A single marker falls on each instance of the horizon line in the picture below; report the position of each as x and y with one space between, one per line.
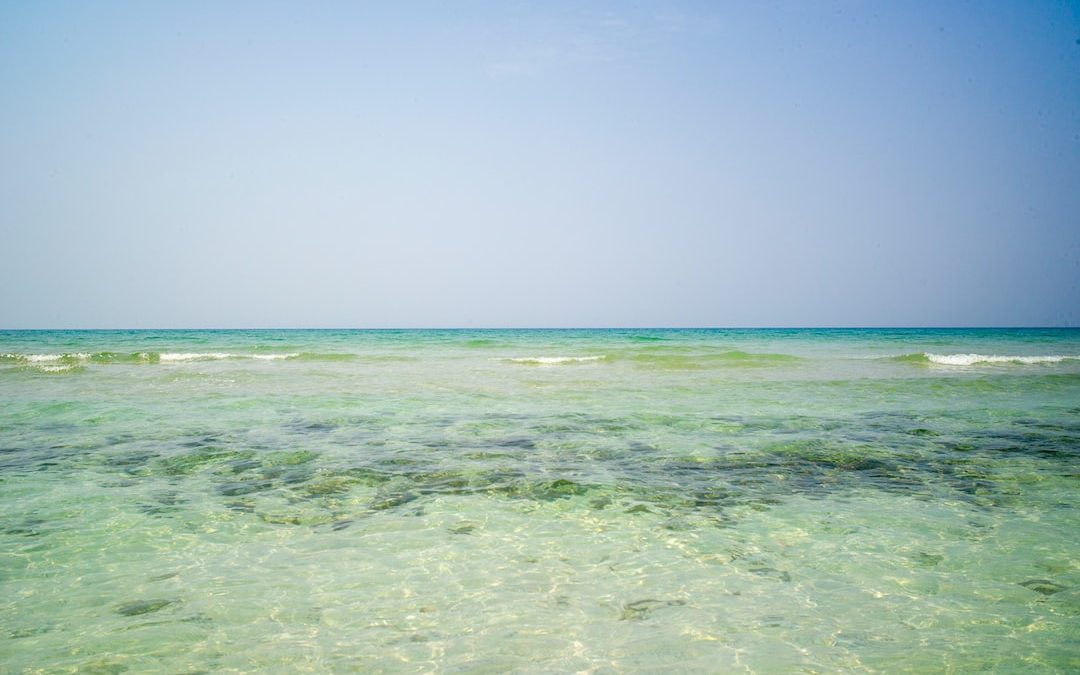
566 328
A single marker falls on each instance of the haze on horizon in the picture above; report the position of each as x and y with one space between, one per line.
487 164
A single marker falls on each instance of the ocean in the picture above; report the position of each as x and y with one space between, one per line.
489 501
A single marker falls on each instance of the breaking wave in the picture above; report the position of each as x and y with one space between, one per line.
978 359
83 358
171 357
553 360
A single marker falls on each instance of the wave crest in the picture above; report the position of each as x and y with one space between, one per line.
553 360
82 358
977 359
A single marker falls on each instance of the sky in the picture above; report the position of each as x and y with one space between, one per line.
504 164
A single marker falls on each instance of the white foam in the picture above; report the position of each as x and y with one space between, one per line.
554 360
54 368
175 357
47 358
41 358
973 359
194 356
169 357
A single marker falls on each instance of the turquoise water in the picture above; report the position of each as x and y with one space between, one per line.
543 501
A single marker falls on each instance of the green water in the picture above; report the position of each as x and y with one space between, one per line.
542 501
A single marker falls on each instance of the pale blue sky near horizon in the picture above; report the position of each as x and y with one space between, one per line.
483 164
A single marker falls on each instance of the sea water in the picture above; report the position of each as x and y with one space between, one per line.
540 501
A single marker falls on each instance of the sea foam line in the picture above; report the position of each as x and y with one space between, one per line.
55 368
44 358
174 357
194 356
147 357
552 360
973 359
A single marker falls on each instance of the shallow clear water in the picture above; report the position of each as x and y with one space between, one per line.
489 501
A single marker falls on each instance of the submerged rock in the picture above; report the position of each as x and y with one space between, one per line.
296 518
16 633
235 489
1044 586
923 559
639 609
103 667
521 443
241 465
600 503
31 527
189 463
132 463
771 573
558 489
330 485
389 501
923 432
287 458
311 427
140 607
166 575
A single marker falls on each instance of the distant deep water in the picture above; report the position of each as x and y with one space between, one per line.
606 501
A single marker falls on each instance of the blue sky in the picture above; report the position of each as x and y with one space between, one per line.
505 164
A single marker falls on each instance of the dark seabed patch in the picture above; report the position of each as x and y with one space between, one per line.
140 607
